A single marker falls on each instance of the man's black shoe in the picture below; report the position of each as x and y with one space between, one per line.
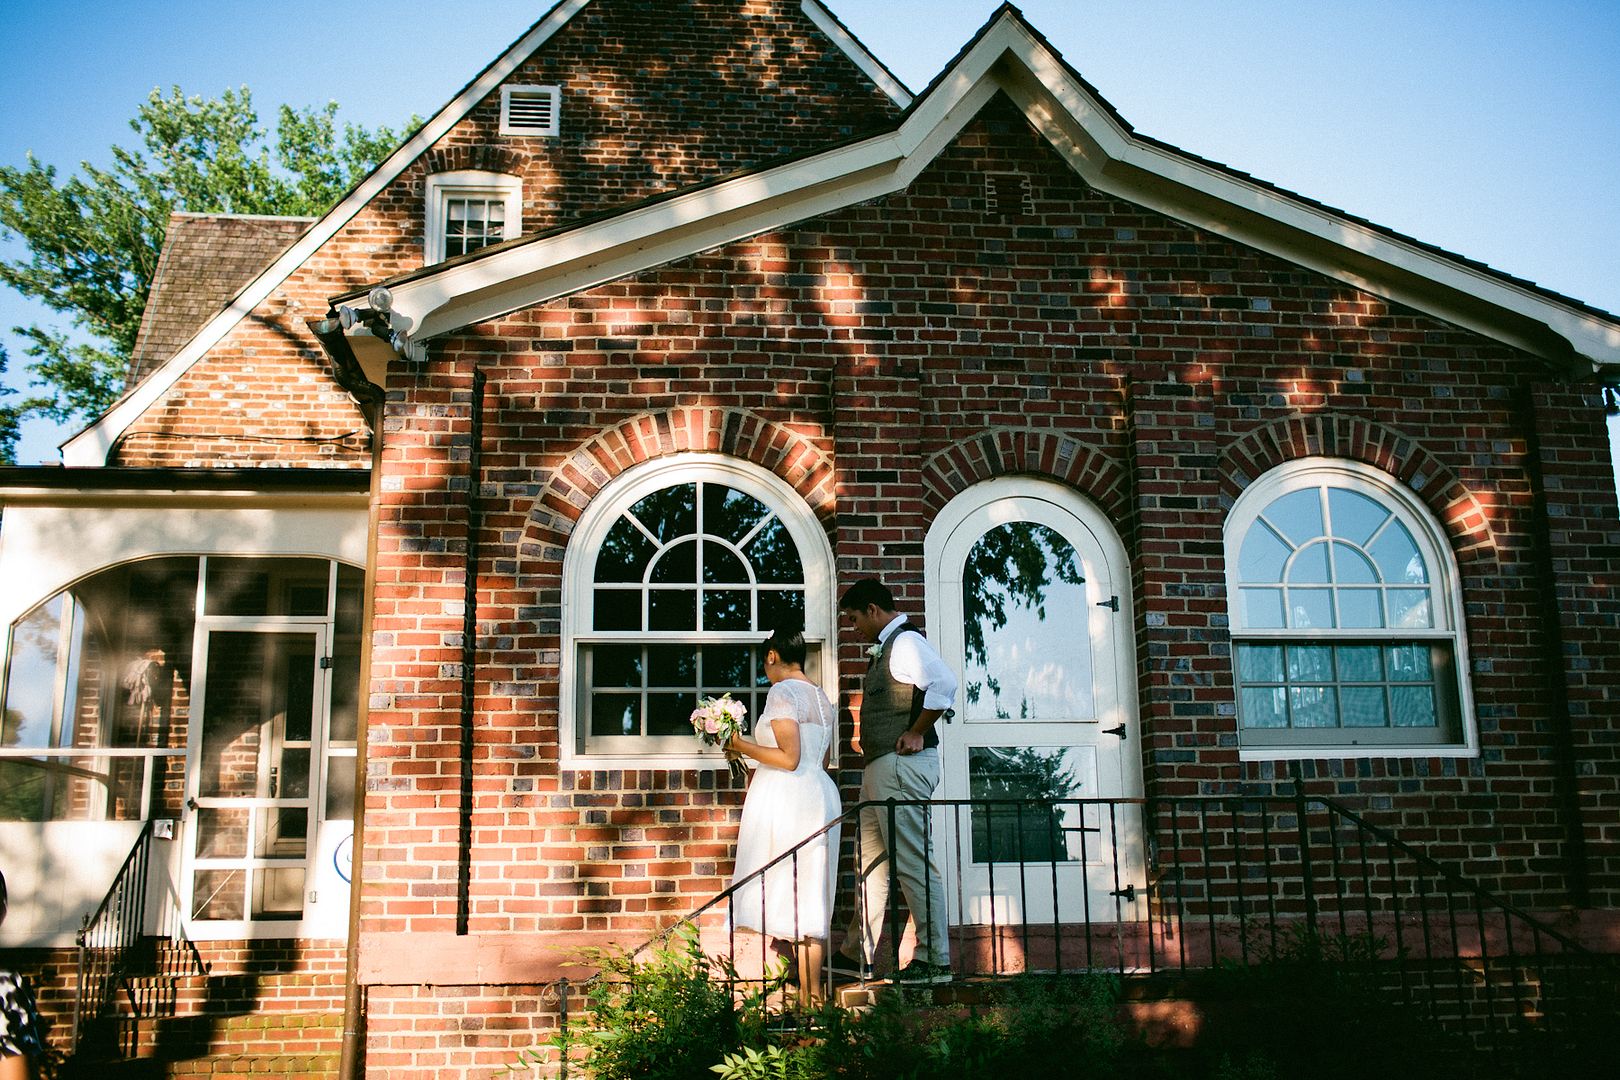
921 972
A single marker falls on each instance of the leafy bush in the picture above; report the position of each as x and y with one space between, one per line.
1313 1006
665 1014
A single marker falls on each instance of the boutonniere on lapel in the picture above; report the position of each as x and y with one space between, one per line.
873 651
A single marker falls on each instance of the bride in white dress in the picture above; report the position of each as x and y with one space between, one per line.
790 797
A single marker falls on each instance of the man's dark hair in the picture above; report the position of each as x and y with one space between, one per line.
867 591
788 641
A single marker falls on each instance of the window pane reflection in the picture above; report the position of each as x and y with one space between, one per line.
1028 649
1014 830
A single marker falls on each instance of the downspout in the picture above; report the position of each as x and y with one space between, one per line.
370 397
469 654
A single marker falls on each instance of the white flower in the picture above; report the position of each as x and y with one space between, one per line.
874 650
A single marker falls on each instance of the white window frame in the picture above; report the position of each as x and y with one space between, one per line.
467 184
551 130
579 564
1445 603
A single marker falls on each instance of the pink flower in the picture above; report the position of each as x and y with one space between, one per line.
711 725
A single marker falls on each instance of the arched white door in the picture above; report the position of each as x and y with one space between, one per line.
1028 598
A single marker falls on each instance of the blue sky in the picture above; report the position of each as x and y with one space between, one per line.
1488 127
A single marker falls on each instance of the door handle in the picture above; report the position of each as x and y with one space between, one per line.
275 782
191 804
1120 731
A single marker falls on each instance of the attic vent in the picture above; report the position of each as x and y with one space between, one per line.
1010 194
530 110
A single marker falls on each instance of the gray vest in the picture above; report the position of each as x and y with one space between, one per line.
888 706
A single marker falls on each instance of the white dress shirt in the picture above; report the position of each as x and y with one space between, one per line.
917 663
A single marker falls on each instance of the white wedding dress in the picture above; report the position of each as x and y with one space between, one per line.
782 808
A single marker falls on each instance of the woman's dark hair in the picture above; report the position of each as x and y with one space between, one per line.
788 641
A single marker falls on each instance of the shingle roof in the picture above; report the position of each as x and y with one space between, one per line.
206 260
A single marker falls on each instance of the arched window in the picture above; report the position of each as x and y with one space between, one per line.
1346 617
675 574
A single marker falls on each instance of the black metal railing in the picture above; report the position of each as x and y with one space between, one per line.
109 938
114 943
1241 881
1179 885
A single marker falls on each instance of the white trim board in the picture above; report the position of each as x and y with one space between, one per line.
1008 57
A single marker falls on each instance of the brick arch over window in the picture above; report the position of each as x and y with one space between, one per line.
1027 452
483 157
733 432
1465 519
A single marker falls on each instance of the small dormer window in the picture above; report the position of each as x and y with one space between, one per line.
470 209
530 110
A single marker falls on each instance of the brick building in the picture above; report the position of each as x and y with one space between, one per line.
691 313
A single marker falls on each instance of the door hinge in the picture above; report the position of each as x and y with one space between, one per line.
1120 731
1128 893
326 663
1112 604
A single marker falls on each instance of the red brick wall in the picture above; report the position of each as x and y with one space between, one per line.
428 1032
920 343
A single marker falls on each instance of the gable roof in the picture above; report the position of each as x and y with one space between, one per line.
91 446
1006 56
206 259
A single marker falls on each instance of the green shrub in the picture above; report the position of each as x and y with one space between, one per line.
664 1014
1314 1006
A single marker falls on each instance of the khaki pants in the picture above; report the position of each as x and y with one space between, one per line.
913 846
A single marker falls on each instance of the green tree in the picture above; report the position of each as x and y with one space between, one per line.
11 416
92 239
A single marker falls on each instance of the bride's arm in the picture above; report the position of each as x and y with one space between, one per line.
784 755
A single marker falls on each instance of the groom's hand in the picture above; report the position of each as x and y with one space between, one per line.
909 742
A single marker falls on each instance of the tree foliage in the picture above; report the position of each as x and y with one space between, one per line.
11 415
93 238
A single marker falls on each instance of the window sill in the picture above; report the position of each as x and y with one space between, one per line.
669 762
1336 750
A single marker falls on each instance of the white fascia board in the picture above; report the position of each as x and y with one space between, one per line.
203 498
652 236
846 42
91 446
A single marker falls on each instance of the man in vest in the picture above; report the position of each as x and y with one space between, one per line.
906 690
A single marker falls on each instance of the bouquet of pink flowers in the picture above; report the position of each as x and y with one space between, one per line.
716 721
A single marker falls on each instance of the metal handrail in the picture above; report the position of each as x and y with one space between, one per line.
1246 880
109 938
